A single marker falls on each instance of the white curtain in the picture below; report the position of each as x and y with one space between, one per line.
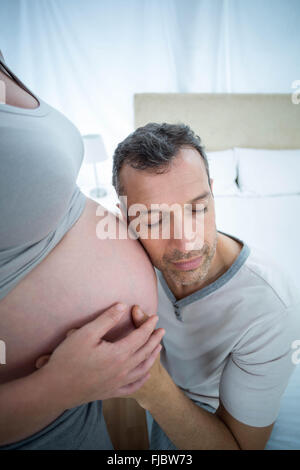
88 57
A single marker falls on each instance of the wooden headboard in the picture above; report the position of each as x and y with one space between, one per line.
223 121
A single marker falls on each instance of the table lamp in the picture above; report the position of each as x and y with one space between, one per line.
94 152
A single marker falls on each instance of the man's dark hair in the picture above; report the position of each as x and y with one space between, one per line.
152 148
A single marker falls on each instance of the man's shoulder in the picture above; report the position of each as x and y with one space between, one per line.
260 293
271 280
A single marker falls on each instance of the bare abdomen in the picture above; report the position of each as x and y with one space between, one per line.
79 279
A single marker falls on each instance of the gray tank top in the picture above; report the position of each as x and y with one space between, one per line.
41 152
40 155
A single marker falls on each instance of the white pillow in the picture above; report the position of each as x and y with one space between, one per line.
223 170
268 172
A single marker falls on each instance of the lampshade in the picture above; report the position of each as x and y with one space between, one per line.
94 149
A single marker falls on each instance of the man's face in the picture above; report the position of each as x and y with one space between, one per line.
183 182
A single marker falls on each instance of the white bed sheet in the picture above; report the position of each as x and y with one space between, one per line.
272 224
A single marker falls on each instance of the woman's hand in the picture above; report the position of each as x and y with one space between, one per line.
87 368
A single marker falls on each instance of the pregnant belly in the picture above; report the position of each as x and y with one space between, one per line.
81 277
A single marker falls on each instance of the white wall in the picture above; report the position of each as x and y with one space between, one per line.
88 57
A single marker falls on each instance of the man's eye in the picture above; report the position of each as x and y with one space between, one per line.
152 219
155 223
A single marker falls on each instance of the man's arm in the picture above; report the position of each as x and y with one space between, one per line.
248 437
191 427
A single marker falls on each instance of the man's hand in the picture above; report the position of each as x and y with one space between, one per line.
157 372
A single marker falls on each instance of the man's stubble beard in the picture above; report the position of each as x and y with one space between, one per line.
185 278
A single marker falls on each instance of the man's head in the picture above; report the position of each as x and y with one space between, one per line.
166 164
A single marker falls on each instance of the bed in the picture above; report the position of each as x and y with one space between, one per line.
254 140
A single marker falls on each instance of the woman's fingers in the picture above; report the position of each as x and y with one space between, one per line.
133 387
145 351
42 360
145 366
137 338
98 327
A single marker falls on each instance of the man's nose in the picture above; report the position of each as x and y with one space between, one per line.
186 233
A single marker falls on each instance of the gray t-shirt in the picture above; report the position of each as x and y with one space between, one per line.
232 340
